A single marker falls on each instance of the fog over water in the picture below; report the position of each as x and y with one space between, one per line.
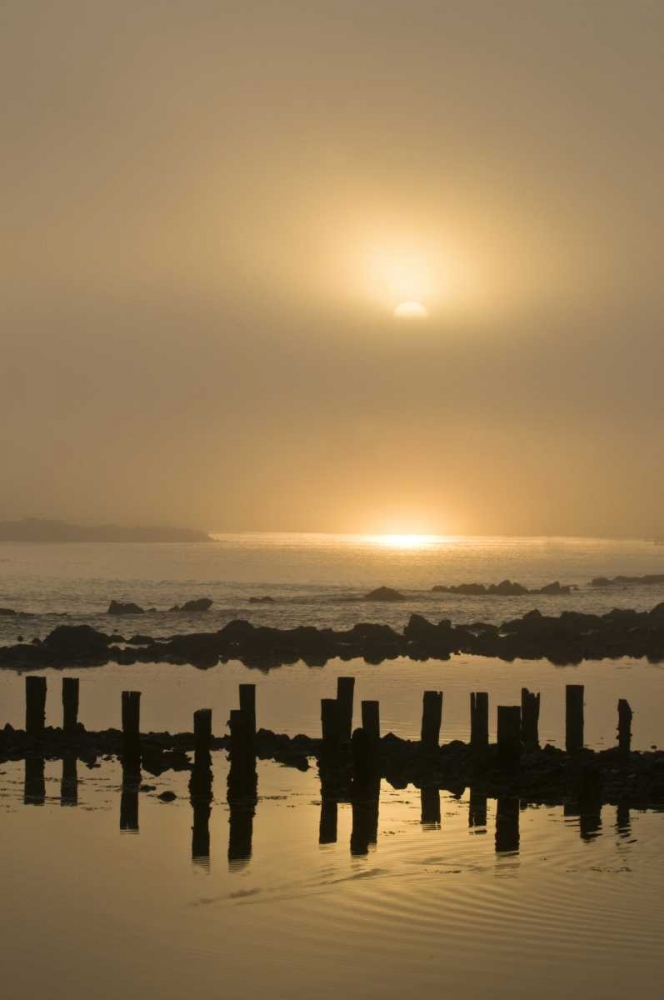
211 210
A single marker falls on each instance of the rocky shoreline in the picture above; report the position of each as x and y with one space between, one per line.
568 638
542 775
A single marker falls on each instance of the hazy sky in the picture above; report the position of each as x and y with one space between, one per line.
209 211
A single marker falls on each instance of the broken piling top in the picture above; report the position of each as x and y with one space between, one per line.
530 710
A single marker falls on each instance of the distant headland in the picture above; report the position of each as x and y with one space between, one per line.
33 529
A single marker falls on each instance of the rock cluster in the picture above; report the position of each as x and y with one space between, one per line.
506 588
569 637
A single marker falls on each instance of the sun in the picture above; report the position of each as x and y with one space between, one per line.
411 310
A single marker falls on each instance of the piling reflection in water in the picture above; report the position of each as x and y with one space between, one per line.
507 825
69 781
34 787
477 810
430 808
623 821
329 810
131 780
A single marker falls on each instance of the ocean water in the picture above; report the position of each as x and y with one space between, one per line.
313 579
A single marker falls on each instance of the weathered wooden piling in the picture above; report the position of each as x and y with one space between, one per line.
202 736
589 792
131 729
479 719
69 704
430 806
248 706
432 717
35 704
573 717
242 747
509 733
624 726
507 825
530 710
345 692
371 719
366 776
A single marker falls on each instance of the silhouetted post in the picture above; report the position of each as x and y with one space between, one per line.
202 737
430 806
70 704
479 719
243 760
432 717
131 729
371 719
624 726
507 825
345 690
248 706
35 704
477 809
573 717
509 733
34 787
530 710
69 781
327 833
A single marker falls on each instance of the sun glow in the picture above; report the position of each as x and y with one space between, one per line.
411 310
403 541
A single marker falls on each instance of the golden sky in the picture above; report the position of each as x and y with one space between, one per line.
212 209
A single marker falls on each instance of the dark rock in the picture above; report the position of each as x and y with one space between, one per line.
384 594
7 611
555 589
601 581
76 642
508 589
262 600
167 796
199 604
140 640
125 608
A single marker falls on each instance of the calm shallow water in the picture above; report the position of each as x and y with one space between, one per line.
314 579
89 910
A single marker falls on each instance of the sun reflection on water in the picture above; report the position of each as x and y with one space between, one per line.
406 541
